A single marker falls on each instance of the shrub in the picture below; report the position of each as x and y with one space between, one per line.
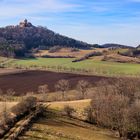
54 49
69 110
88 112
24 106
88 56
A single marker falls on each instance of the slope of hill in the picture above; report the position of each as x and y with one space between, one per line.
55 126
111 45
20 39
63 128
17 41
138 47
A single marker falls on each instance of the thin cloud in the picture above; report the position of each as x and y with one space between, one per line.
97 21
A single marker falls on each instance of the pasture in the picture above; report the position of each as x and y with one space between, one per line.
90 66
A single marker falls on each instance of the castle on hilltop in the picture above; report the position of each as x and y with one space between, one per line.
25 23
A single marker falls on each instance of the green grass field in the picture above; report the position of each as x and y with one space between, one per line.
88 66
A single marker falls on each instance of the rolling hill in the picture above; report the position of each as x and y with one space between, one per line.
20 39
25 38
112 45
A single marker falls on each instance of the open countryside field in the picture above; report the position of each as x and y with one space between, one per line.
78 105
90 66
8 105
63 52
59 127
63 128
55 126
69 52
30 80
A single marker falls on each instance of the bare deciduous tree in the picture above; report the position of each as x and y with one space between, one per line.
63 86
10 92
118 107
128 87
69 110
1 92
111 111
43 89
134 116
82 87
5 112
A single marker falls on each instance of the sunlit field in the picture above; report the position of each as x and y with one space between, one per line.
90 66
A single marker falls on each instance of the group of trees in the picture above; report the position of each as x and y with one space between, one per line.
4 95
11 48
58 48
133 52
63 86
117 107
16 41
24 106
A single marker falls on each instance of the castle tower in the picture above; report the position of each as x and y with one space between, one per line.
25 23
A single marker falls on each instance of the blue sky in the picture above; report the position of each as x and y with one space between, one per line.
93 21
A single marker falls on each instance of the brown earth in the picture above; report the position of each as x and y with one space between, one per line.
30 80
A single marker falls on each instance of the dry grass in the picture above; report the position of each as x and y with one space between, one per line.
78 105
57 127
123 59
67 52
5 71
62 128
8 105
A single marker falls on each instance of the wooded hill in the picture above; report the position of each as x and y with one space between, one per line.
17 40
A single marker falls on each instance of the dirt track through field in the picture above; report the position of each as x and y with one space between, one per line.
30 80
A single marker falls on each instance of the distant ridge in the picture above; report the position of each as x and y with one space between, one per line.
112 45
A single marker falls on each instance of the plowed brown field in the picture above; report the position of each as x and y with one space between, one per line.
30 80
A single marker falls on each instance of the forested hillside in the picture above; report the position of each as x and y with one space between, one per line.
20 39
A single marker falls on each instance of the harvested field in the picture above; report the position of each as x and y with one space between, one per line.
30 80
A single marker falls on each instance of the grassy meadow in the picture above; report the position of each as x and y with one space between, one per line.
90 66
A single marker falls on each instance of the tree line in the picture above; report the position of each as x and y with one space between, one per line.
117 107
